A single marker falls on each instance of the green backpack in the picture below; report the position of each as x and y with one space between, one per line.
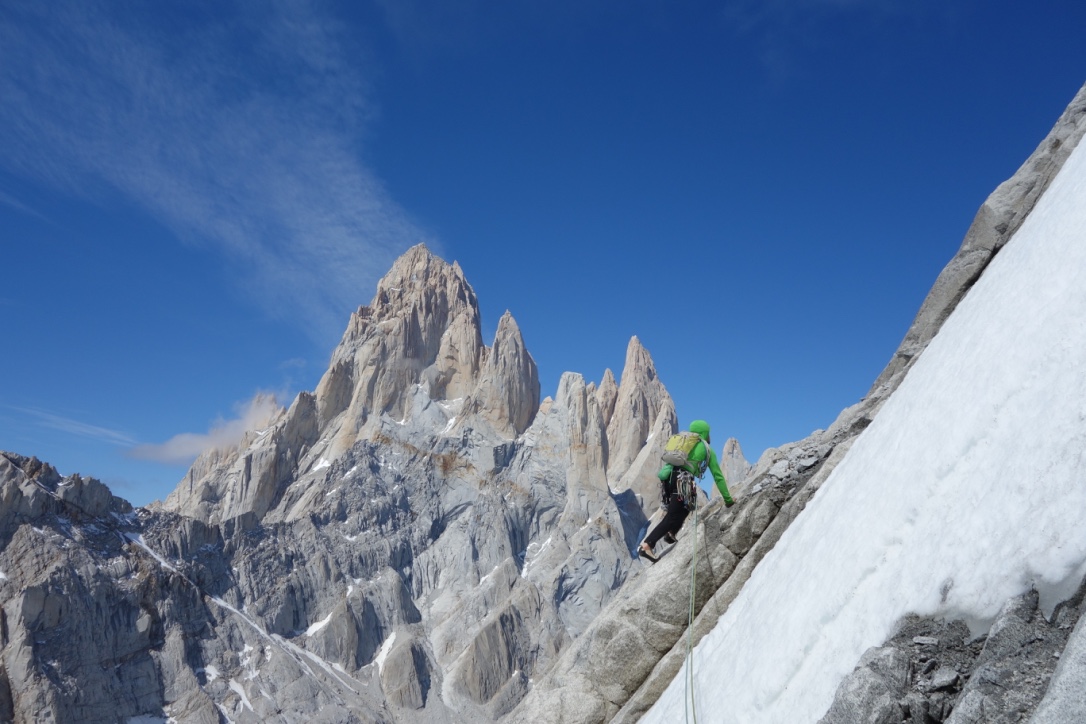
678 449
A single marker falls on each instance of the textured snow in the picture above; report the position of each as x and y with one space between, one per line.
386 648
533 551
240 691
967 489
245 656
138 540
296 652
486 578
318 625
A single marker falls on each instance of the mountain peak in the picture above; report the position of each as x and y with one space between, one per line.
418 276
508 391
639 400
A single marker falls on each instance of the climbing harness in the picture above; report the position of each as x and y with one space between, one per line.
686 487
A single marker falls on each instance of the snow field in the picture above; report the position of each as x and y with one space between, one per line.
386 649
967 489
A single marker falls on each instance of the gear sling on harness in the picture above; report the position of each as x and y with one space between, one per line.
677 453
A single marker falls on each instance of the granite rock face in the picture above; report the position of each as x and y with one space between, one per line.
622 663
734 464
639 400
937 671
506 395
641 420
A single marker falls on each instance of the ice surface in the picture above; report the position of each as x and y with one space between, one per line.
138 540
533 551
968 488
318 625
240 691
295 651
386 648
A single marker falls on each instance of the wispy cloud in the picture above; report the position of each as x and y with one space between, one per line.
184 448
78 428
14 203
236 125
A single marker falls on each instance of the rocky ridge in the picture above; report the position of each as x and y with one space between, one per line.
936 671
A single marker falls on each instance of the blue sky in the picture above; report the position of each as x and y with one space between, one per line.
195 196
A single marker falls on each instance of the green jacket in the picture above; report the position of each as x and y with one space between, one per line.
698 461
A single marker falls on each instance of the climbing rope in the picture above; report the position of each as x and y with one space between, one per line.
688 700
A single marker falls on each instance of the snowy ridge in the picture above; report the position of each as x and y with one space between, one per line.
965 490
319 624
386 649
296 652
138 540
240 691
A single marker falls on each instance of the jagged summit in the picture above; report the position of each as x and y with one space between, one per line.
641 397
422 327
507 392
414 357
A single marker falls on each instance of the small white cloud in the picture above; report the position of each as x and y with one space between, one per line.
182 449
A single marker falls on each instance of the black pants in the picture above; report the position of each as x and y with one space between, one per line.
673 518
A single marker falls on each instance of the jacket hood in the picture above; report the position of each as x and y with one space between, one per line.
701 427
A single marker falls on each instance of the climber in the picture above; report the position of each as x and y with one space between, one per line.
701 458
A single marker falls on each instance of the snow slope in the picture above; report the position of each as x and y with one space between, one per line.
968 488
